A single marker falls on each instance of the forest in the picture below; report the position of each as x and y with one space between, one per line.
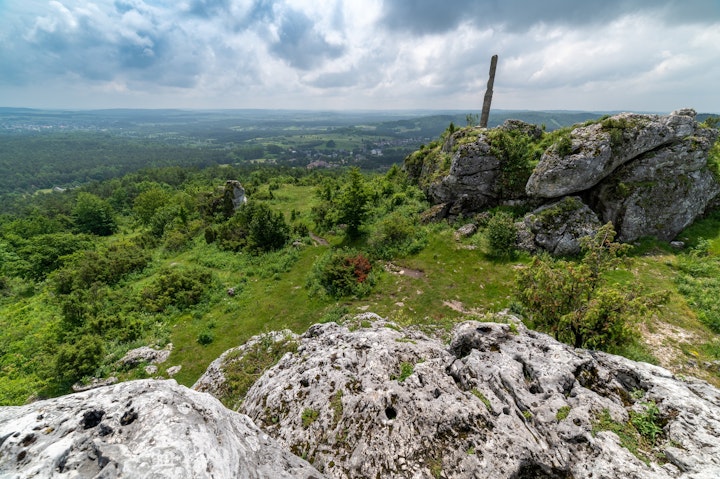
142 245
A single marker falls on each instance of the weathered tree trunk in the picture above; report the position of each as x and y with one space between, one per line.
488 93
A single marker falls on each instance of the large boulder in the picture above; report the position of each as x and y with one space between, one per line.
370 399
661 192
596 150
472 171
139 429
558 227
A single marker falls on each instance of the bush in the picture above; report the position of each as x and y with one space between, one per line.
255 227
501 235
574 302
397 234
179 287
343 272
79 359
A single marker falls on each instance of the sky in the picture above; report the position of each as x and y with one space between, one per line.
596 55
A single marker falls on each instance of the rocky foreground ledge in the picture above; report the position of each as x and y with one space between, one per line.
371 399
139 429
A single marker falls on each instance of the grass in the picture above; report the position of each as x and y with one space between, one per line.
454 282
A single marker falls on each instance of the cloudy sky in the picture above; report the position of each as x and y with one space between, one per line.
640 55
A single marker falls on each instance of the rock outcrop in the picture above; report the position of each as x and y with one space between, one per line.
558 227
661 192
375 400
139 429
598 149
647 174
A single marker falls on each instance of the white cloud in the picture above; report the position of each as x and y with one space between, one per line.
352 54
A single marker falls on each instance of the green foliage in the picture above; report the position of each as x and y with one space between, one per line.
176 286
647 422
406 370
564 146
308 417
518 154
79 358
575 302
482 398
149 202
501 235
699 280
255 228
42 254
395 235
243 368
343 272
562 413
205 338
352 203
639 434
93 215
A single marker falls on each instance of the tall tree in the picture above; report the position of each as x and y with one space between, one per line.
93 215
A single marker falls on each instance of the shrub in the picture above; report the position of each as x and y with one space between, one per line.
501 235
180 287
255 227
93 215
343 272
79 359
574 302
396 234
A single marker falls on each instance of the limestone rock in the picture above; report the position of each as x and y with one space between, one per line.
376 400
466 231
558 227
145 354
136 429
474 180
661 192
213 379
234 194
598 149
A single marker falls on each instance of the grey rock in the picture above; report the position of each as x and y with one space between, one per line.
235 193
661 192
466 231
173 370
474 180
598 149
558 227
213 379
382 401
146 354
94 383
137 429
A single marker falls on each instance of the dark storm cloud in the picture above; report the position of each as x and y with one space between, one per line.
300 45
430 16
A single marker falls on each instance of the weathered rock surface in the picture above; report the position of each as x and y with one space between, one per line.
475 179
234 193
558 227
139 429
146 354
598 149
499 402
661 192
647 174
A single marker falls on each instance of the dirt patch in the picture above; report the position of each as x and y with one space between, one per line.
664 342
319 241
460 308
395 269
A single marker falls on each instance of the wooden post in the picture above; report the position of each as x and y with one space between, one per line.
488 93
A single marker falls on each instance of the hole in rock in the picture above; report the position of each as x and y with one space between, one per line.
128 418
92 418
390 412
